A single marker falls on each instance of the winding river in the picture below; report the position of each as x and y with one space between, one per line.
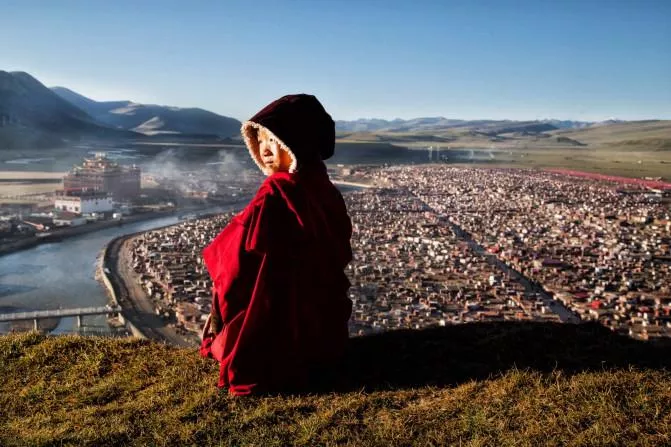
62 274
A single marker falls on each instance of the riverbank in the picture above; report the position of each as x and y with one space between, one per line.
137 309
59 234
126 290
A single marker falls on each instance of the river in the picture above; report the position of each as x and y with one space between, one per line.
62 274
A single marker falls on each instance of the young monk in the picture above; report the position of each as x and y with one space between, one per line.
280 307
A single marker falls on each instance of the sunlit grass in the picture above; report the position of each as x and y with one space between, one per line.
74 390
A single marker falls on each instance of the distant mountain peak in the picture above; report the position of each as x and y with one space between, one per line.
152 119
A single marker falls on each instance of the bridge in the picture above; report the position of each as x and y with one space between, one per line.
59 313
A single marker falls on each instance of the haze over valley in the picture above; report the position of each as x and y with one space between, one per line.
41 126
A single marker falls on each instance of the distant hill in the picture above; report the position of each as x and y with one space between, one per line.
25 102
440 123
608 122
568 124
32 115
152 119
399 125
502 127
374 153
92 107
615 132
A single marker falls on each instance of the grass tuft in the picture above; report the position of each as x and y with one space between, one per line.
477 384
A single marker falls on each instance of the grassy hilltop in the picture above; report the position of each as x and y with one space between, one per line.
475 384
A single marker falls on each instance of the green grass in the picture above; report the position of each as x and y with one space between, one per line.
477 384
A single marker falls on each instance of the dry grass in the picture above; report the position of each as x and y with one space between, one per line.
626 164
634 130
480 384
622 140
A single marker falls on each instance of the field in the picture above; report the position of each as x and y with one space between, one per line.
622 135
632 149
474 384
27 186
626 164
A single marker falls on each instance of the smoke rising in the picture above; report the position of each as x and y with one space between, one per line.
190 170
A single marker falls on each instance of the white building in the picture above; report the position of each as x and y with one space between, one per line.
85 203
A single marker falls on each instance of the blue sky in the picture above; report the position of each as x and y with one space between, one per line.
568 59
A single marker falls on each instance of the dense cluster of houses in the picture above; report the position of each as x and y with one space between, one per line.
170 269
410 270
600 248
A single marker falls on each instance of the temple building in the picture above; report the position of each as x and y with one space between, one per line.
103 175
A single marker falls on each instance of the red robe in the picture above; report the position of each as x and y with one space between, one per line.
278 273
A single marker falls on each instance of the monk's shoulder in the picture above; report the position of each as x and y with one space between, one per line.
270 195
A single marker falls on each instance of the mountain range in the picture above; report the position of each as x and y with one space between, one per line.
32 115
150 119
440 123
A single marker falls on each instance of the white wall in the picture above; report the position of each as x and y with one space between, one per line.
85 206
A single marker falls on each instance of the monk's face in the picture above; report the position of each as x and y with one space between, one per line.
272 155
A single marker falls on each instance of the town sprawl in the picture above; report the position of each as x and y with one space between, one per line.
438 245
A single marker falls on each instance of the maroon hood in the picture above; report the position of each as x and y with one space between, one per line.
300 124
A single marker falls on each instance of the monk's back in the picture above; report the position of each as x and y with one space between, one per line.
320 253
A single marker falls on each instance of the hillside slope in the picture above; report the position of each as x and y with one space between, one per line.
153 119
31 115
92 107
618 132
474 384
24 101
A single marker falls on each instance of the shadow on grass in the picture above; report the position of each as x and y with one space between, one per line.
456 354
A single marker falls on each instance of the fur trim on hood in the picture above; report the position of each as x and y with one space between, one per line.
299 124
